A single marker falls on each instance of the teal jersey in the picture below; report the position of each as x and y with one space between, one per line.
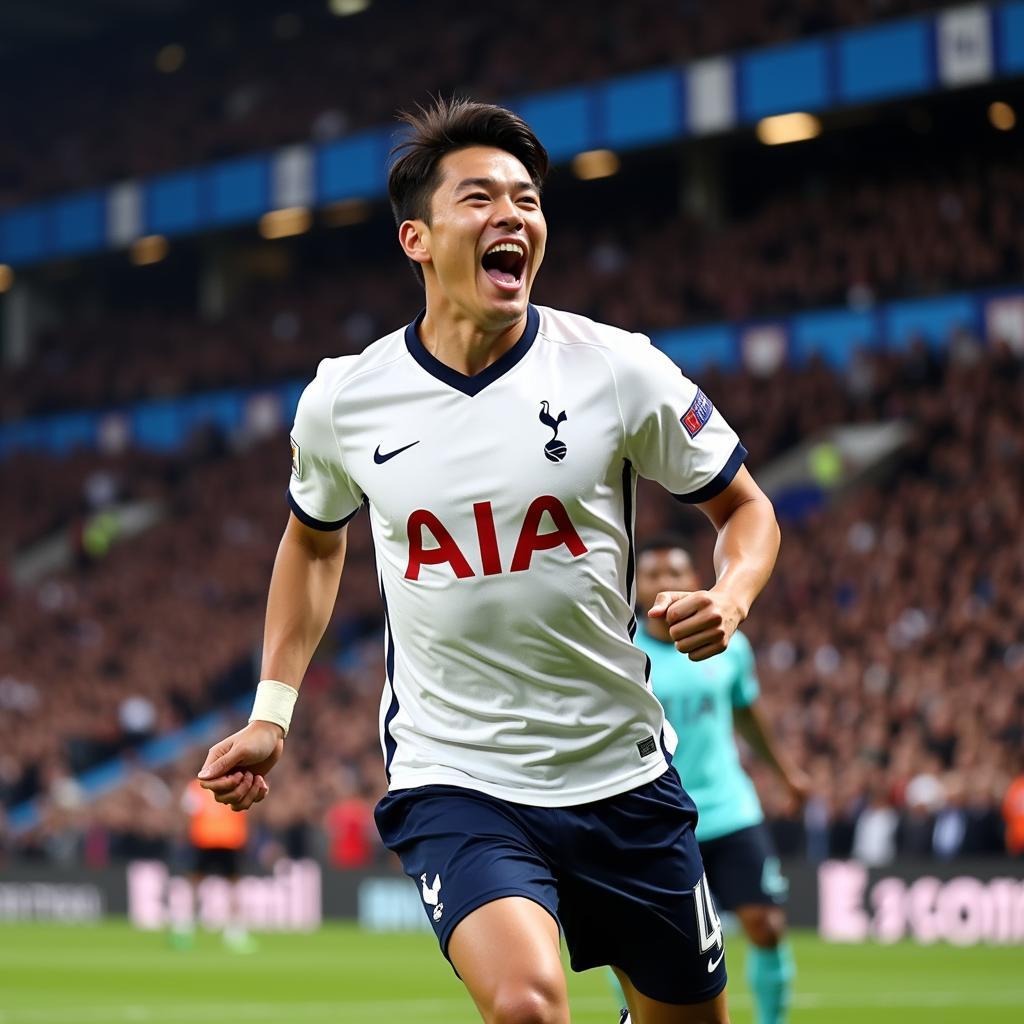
698 697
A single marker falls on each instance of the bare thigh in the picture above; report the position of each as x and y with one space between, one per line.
508 957
644 1010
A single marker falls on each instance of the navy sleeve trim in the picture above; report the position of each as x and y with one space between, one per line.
720 482
317 524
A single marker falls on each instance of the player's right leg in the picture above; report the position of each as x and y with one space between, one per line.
489 895
507 954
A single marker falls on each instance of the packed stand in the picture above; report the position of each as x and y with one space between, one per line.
888 642
273 76
853 242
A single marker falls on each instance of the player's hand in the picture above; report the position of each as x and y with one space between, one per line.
701 622
235 768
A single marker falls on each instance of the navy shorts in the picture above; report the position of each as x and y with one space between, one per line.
622 876
743 869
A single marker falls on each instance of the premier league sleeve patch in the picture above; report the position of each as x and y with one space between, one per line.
696 416
296 459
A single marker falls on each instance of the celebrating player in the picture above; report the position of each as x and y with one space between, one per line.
496 446
704 703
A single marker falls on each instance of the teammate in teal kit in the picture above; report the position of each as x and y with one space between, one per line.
706 701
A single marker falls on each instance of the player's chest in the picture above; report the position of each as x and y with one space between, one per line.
451 454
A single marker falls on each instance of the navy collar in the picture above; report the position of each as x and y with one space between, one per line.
475 384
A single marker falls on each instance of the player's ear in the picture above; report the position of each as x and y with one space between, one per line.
414 237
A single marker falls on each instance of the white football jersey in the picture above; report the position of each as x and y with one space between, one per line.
502 514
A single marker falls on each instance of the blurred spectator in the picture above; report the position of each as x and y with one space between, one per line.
889 607
1013 815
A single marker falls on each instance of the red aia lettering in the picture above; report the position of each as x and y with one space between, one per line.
530 539
446 551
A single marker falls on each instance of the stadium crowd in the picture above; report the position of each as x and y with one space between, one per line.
888 642
850 242
228 85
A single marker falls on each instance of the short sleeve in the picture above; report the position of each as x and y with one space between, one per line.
745 687
320 493
674 434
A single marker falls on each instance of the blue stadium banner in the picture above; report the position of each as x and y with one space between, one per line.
892 60
354 168
932 320
173 203
78 223
833 334
240 190
563 120
24 235
1010 36
643 109
785 78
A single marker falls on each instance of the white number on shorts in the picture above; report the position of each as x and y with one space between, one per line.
709 927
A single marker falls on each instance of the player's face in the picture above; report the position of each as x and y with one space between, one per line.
663 569
486 237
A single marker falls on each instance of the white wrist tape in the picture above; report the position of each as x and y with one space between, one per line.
274 703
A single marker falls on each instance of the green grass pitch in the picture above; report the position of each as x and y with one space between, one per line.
110 974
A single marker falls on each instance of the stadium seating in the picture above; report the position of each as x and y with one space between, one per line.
867 637
240 88
853 241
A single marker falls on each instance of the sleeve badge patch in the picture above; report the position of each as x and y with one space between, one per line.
296 459
697 415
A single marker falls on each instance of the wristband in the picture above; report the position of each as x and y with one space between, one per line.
274 703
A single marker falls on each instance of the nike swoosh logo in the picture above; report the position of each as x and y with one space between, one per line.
381 459
712 964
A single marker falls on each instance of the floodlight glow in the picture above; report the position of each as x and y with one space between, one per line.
1002 116
783 128
595 163
147 250
293 220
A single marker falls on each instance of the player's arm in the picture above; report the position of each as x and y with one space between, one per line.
703 622
750 723
303 589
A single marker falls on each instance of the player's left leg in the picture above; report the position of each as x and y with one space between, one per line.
632 893
644 1010
770 967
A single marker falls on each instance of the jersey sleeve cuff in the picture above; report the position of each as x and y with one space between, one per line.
312 522
721 480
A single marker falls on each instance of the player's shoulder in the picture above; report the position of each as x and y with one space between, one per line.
335 372
631 358
562 327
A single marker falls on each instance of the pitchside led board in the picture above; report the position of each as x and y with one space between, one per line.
963 903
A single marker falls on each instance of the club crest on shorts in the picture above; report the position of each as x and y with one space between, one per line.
432 895
698 414
296 459
554 450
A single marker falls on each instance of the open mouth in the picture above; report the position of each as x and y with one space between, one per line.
505 264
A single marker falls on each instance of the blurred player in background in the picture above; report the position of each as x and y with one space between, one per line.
496 446
705 702
217 838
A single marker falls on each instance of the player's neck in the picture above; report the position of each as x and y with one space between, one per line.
451 337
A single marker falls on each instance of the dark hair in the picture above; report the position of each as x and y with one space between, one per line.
442 128
664 541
